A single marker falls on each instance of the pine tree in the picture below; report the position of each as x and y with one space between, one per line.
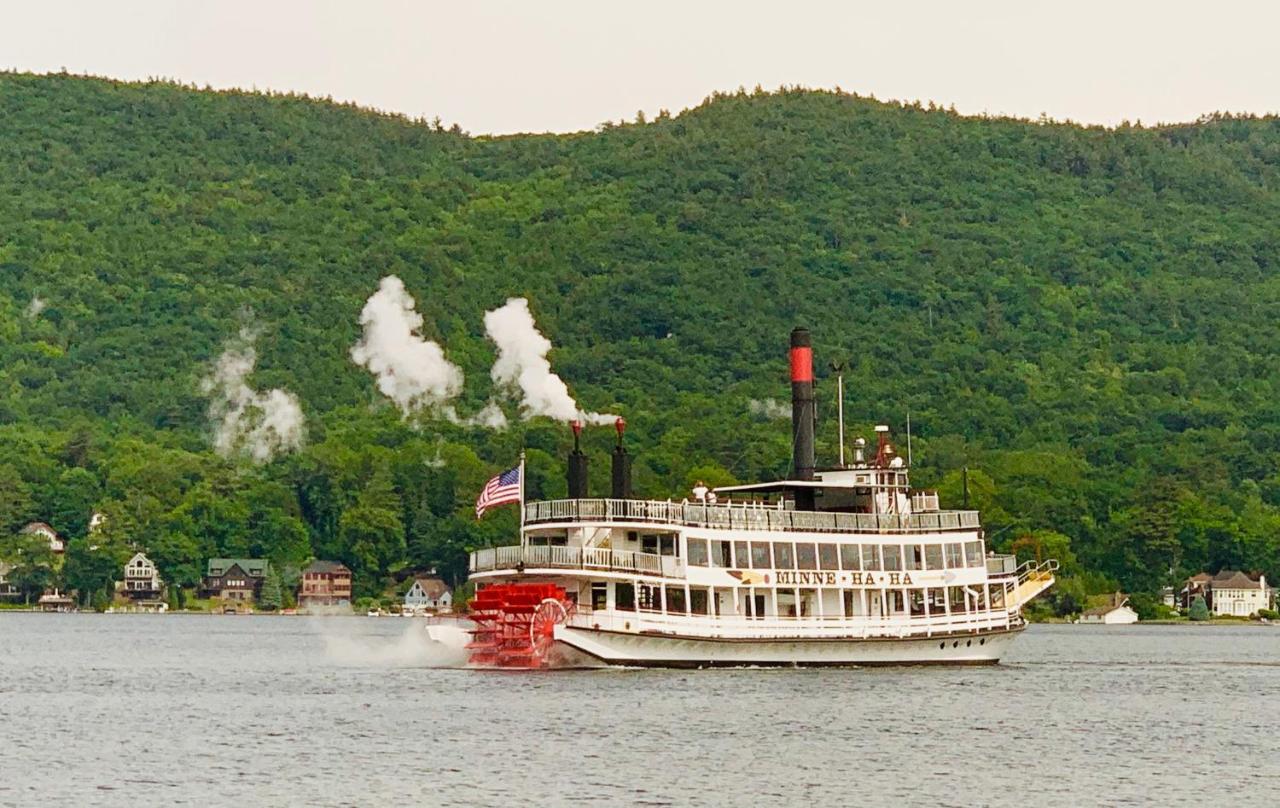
272 591
1199 609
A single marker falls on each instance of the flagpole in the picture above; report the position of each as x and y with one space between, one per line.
522 496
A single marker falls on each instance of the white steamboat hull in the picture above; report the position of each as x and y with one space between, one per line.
581 647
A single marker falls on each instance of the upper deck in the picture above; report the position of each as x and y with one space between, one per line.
742 516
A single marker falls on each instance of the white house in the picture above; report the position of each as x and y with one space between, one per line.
141 579
1237 594
1116 613
56 544
429 593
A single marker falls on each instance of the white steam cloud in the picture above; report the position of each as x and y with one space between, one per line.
36 306
411 371
522 365
768 408
247 422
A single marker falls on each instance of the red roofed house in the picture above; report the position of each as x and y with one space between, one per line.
325 583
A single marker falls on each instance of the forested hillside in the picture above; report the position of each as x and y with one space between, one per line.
1086 318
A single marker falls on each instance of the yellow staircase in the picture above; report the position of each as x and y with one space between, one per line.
1033 578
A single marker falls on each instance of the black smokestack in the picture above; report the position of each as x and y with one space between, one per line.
802 413
621 465
577 476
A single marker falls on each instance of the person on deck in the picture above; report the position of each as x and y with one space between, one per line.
700 491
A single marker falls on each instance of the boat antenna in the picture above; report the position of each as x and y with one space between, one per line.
838 369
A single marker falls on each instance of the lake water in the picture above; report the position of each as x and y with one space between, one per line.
145 710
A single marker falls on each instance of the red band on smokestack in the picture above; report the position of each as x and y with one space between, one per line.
801 364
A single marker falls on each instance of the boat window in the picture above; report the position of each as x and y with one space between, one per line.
933 556
675 600
721 554
786 603
956 595
917 602
847 595
808 602
784 555
599 595
624 597
849 557
828 557
871 556
668 546
755 605
649 543
697 601
955 559
698 552
559 540
650 597
892 556
897 601
973 554
741 558
760 555
806 558
913 555
937 600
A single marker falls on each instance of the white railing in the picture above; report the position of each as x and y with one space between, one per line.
737 626
745 516
518 557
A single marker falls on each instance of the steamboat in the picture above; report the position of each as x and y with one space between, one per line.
844 566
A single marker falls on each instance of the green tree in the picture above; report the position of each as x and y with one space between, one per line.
272 595
1199 610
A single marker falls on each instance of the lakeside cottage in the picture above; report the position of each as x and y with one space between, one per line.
1117 612
325 583
235 579
56 543
429 593
1229 593
7 590
142 579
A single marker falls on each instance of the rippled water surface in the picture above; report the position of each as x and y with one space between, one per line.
195 710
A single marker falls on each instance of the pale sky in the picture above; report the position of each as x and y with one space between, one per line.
500 67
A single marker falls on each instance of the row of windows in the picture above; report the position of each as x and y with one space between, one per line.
820 556
792 602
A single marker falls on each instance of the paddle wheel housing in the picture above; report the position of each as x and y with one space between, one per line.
515 624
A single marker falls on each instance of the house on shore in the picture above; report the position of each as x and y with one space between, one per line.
142 579
1116 612
1237 594
1229 593
56 544
428 593
325 583
235 579
54 600
7 590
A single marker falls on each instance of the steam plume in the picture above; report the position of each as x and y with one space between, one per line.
36 306
258 425
768 408
522 365
411 371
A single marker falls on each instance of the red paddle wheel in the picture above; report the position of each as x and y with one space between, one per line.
515 624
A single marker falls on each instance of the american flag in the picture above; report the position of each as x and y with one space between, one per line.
500 490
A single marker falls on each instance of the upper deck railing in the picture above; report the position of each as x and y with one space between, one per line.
743 516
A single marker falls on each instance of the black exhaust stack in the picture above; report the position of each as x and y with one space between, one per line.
577 476
621 465
803 414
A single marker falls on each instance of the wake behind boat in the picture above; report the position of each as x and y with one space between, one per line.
839 567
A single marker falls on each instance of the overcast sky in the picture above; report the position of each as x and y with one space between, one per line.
501 67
